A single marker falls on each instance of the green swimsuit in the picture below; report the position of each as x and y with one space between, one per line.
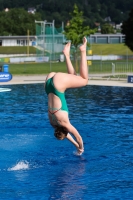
49 88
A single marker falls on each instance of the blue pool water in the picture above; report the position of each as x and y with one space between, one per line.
36 166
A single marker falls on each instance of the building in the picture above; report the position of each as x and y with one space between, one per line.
31 10
17 40
32 41
106 38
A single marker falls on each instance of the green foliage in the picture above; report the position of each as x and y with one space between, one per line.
17 22
107 29
127 29
94 11
75 30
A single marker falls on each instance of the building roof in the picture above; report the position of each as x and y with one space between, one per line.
17 37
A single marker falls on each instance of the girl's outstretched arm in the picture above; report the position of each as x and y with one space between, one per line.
71 139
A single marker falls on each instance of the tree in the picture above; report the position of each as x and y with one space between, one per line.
127 30
107 29
75 30
17 22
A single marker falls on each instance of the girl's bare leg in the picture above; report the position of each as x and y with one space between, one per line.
83 61
70 80
66 52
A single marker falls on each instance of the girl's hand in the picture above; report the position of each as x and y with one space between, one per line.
80 151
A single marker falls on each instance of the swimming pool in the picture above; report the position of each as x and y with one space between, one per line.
34 165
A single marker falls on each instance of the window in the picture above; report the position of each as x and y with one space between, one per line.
18 42
0 42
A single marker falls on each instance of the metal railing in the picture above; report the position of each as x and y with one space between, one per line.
110 69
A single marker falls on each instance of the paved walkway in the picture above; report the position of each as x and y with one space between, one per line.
29 79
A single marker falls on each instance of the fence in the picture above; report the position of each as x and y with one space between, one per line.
110 69
49 40
97 68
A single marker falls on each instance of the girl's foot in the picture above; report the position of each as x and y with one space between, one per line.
83 46
66 50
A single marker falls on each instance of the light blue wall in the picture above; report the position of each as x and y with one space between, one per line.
106 38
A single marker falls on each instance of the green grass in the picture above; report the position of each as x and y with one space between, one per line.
45 68
106 67
36 68
17 50
110 49
98 49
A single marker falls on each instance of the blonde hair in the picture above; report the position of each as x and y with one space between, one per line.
60 133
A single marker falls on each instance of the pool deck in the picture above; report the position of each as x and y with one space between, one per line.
30 79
